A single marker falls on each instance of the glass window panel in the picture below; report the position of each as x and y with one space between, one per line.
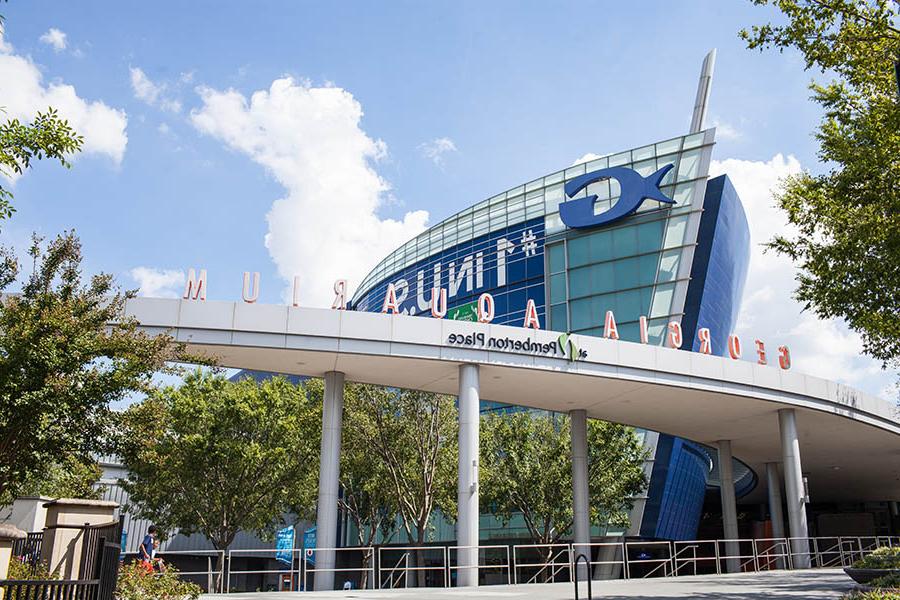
692 141
559 318
579 251
533 185
675 231
516 203
684 194
668 146
629 332
668 265
557 288
557 258
554 178
601 206
602 278
553 195
582 318
656 330
596 165
646 299
628 305
689 165
515 216
534 210
670 175
647 269
580 282
623 158
553 224
662 300
601 246
650 235
615 189
642 153
624 241
515 191
600 188
645 167
575 171
626 273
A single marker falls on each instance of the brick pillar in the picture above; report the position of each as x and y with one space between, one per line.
8 535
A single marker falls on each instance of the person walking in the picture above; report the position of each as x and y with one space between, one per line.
147 550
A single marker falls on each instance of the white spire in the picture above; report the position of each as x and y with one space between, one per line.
703 88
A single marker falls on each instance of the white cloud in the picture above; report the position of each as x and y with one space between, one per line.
54 38
309 138
587 158
152 93
158 283
435 149
726 131
24 93
824 348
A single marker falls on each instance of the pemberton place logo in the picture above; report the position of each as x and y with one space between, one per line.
563 347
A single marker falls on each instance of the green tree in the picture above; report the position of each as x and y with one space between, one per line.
367 492
66 352
847 219
414 435
216 457
526 469
72 477
47 136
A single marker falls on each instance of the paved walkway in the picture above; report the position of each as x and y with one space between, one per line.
819 583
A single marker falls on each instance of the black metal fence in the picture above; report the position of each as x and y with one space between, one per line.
97 574
28 551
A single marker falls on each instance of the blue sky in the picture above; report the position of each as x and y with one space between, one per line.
427 107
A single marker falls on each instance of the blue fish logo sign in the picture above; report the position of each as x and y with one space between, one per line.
579 213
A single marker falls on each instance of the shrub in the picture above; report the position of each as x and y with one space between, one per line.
874 595
21 570
136 584
883 558
891 581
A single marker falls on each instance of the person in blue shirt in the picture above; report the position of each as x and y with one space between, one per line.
145 551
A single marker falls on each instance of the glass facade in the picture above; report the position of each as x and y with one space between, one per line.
684 261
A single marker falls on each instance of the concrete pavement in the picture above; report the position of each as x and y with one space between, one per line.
811 584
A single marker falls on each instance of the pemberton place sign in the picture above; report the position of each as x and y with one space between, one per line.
565 346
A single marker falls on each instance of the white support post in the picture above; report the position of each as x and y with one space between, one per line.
729 506
580 492
329 475
773 483
467 490
794 491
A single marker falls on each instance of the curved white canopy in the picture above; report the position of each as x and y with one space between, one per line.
849 441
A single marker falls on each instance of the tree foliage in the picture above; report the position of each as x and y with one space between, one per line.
368 493
413 435
216 457
47 136
526 468
62 361
71 477
847 219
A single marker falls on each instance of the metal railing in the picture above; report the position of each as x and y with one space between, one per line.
412 556
389 567
483 565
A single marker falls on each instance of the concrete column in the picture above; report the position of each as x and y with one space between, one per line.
580 493
8 535
793 487
467 490
61 546
729 506
773 483
329 474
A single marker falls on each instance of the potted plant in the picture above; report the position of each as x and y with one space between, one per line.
883 561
